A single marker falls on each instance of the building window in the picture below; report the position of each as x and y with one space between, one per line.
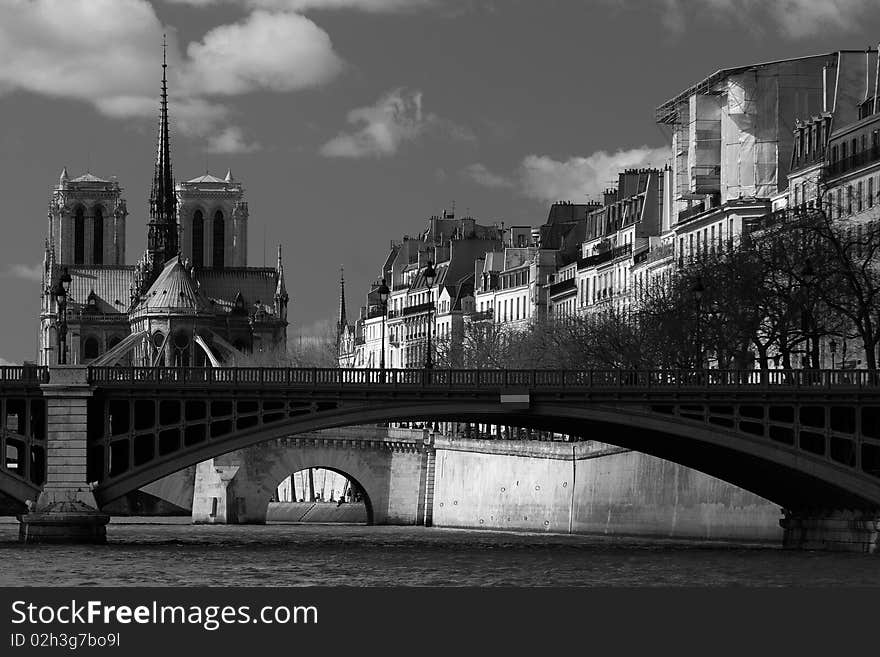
91 348
849 199
98 238
860 191
79 237
871 192
219 240
198 239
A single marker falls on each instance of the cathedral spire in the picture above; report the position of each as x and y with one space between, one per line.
341 321
162 237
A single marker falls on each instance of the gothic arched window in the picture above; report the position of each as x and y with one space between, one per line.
198 239
219 240
98 238
79 237
91 348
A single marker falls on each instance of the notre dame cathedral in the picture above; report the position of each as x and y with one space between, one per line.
190 300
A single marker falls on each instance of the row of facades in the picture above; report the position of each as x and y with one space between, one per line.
745 142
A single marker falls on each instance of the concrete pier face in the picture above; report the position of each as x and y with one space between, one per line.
837 531
237 487
66 511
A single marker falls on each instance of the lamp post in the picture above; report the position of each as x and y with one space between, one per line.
383 300
59 292
430 275
697 290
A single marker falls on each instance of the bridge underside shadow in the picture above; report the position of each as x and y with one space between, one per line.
16 491
790 477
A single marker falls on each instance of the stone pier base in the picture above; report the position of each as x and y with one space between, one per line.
64 522
838 531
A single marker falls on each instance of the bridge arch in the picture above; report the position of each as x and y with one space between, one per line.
788 476
270 462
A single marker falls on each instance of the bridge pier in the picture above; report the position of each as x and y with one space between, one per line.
66 510
832 530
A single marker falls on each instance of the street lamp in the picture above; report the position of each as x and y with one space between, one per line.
697 290
59 292
430 275
383 300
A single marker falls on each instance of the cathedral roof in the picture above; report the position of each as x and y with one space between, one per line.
254 283
88 178
110 283
172 291
207 178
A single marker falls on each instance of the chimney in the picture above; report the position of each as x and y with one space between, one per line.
876 80
825 88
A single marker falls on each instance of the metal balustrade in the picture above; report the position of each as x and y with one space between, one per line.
459 378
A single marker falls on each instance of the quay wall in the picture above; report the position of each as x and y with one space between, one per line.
589 488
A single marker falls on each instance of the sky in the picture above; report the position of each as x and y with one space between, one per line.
350 122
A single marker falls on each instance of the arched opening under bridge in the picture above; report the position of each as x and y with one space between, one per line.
320 495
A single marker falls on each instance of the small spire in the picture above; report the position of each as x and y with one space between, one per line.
64 177
229 180
342 320
281 296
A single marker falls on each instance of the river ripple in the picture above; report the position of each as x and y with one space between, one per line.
177 553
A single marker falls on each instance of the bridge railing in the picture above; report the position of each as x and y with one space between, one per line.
539 378
26 374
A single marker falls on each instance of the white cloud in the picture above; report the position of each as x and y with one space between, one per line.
381 128
106 53
230 140
793 19
372 6
482 176
544 179
277 52
27 272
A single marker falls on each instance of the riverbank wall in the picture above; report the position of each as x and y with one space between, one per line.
589 488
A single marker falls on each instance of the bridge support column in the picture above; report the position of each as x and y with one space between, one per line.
66 511
836 530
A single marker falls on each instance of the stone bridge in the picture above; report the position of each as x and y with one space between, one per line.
806 440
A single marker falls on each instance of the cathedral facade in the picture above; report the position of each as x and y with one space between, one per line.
190 300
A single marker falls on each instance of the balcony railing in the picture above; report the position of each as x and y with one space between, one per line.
854 161
533 379
418 308
605 256
482 315
561 287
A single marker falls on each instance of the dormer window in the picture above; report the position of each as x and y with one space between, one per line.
92 302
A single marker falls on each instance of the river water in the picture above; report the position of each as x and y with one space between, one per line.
174 552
